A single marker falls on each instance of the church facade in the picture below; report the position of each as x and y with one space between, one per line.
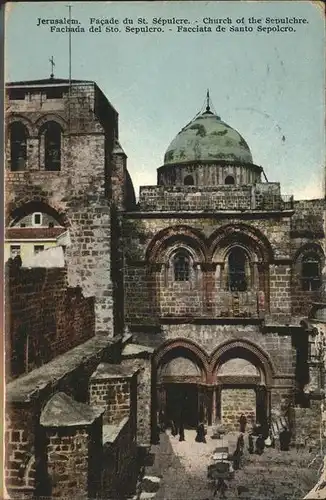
219 270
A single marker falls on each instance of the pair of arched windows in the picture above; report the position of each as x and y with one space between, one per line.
237 267
50 141
189 180
238 270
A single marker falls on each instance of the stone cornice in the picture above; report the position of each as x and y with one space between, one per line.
205 214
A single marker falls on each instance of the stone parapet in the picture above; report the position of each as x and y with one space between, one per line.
265 196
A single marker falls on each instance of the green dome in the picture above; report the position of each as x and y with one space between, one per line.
207 138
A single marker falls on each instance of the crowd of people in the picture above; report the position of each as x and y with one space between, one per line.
178 427
259 437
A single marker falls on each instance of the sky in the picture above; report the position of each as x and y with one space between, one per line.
268 86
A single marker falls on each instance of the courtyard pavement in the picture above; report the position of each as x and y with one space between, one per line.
274 475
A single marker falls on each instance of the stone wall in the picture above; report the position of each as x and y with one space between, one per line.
152 293
120 468
307 423
19 437
198 198
144 398
210 336
234 403
27 395
115 395
280 292
73 462
45 318
308 218
77 195
307 233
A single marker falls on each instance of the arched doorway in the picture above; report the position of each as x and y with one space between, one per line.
242 378
237 381
181 387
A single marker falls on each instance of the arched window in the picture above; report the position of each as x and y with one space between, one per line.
189 180
181 267
52 146
237 279
311 272
229 179
18 146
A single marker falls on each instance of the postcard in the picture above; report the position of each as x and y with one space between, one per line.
165 316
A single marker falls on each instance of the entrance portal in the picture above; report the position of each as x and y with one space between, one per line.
179 388
182 404
241 391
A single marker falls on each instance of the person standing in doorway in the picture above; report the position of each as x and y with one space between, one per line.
174 430
201 432
243 423
251 444
181 431
285 439
260 445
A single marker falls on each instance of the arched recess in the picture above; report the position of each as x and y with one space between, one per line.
172 236
307 248
242 348
244 234
309 261
179 396
16 117
28 206
238 393
258 255
51 117
182 347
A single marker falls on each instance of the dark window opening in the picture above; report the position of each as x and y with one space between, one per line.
51 224
310 274
229 179
37 219
237 270
52 146
189 180
22 224
54 93
16 94
18 146
181 268
38 249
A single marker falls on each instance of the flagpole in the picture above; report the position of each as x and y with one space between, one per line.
69 7
69 63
